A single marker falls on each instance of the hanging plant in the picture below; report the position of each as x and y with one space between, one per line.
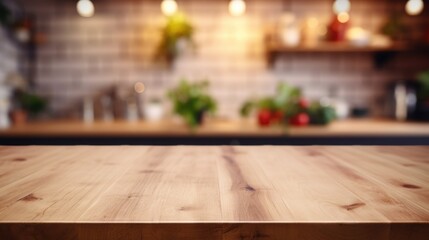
176 36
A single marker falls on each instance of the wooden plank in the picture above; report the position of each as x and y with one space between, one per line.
25 161
407 189
24 178
70 178
167 184
311 194
366 188
214 192
246 193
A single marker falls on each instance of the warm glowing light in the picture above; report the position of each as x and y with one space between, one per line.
414 7
169 7
139 87
343 17
358 36
341 6
85 8
237 7
313 22
355 32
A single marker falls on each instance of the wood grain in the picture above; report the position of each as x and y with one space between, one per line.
216 192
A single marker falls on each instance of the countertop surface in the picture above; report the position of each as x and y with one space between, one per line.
318 186
246 127
214 184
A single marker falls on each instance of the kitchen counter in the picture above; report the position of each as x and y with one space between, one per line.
142 128
362 131
214 192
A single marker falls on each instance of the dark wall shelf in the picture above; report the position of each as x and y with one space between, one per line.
334 47
382 54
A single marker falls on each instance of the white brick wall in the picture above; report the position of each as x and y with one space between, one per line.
8 56
117 46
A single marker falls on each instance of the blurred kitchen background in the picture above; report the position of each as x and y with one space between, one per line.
264 65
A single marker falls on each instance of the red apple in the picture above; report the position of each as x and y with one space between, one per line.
264 117
301 119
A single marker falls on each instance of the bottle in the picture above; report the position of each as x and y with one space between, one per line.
4 107
337 28
132 111
88 110
106 102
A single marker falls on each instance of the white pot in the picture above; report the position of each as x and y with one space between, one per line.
5 93
153 112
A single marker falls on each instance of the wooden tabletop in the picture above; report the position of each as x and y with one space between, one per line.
216 127
216 192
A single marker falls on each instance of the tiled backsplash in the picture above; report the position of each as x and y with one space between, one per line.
8 56
118 44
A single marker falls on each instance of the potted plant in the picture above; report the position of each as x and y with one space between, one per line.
423 79
191 101
153 110
423 95
28 105
24 103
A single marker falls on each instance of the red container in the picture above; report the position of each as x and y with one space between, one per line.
337 30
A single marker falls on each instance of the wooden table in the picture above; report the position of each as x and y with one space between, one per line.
217 192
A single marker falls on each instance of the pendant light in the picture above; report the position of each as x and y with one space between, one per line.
85 8
341 6
169 7
414 7
237 7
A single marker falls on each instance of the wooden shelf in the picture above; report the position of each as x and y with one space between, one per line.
276 47
382 54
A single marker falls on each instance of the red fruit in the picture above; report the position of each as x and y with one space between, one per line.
276 116
301 119
264 117
303 103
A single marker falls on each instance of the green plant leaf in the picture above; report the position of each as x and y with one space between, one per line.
178 26
321 115
191 100
32 103
423 79
285 94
